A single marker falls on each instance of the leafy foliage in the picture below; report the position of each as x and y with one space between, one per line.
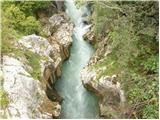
4 100
151 64
30 8
131 30
33 60
19 18
14 18
79 3
30 25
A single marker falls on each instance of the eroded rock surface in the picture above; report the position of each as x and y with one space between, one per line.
108 89
111 96
28 97
25 94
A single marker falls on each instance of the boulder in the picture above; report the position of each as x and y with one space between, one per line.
90 36
36 44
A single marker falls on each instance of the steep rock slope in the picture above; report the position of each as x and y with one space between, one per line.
111 96
29 73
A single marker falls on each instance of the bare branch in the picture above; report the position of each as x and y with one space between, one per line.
105 5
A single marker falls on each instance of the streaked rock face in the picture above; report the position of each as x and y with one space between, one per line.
61 31
25 94
30 98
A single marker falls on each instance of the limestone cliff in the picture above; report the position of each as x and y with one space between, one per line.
40 59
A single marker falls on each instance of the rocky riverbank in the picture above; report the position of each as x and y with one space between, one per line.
123 71
29 74
112 101
108 89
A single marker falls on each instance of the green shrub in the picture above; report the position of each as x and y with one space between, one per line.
151 64
131 32
34 62
4 100
31 7
30 25
19 19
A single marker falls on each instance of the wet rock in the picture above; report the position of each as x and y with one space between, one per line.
49 109
108 89
60 5
57 111
53 95
49 76
90 36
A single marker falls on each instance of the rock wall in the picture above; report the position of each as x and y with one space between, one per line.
29 97
112 102
108 89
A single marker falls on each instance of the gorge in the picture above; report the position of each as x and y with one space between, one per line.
77 101
79 59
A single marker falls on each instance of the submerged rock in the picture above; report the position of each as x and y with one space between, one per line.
108 89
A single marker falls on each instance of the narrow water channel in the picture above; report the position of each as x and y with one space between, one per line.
78 102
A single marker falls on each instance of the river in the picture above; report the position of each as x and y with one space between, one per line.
78 102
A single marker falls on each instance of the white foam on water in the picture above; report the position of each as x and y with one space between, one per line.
78 103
